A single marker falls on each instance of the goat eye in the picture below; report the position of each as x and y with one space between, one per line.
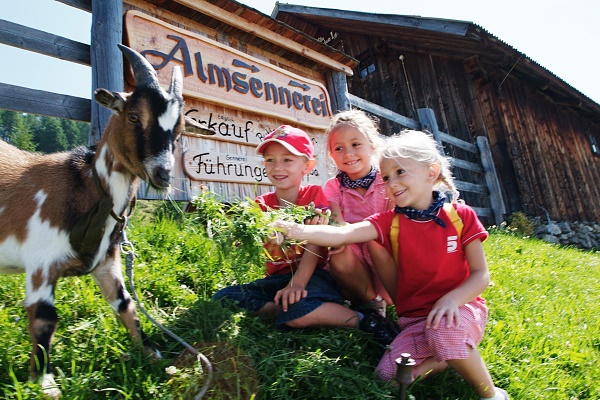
134 118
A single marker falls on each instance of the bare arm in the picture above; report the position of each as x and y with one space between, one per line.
472 287
327 235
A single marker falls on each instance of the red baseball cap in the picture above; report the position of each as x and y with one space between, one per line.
293 139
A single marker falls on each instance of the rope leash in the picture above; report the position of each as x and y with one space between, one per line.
127 248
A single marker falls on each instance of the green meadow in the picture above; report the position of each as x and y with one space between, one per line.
542 339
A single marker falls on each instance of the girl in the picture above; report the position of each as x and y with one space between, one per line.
440 273
356 192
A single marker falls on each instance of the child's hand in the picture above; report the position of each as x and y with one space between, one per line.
320 218
444 307
289 295
284 229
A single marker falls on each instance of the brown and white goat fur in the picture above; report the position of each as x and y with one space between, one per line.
43 197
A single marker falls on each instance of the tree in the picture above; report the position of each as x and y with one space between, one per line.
50 136
76 132
22 136
15 130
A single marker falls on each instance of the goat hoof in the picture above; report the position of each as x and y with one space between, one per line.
49 387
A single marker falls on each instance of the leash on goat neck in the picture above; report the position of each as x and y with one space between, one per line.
126 247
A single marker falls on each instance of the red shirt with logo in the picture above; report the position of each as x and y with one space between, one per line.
287 260
431 262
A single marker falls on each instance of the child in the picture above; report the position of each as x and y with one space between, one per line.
355 193
296 288
439 274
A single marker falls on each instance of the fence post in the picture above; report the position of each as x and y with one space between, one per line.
337 86
429 123
106 58
491 179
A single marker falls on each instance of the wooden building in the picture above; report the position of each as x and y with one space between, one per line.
544 134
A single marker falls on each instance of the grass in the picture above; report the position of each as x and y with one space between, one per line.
542 340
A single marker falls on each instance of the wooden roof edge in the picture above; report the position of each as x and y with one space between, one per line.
449 26
316 51
466 29
535 67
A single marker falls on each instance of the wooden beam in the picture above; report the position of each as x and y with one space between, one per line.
26 38
107 59
263 33
84 5
383 112
337 86
20 99
492 180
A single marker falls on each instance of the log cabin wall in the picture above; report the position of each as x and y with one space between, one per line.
539 128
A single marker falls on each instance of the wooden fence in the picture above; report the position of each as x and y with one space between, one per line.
106 31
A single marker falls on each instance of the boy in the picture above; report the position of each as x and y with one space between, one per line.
296 288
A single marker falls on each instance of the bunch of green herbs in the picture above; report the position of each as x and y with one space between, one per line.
243 225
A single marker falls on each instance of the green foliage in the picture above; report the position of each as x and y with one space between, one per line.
40 133
520 224
50 136
541 340
243 225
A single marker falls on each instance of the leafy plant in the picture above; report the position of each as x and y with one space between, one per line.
519 223
243 225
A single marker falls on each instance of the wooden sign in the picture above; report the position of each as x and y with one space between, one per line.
209 160
227 127
220 74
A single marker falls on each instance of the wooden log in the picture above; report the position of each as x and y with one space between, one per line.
33 101
106 58
26 38
492 180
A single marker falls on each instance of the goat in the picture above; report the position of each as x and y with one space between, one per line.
61 214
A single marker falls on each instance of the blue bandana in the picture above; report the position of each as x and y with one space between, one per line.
427 215
363 182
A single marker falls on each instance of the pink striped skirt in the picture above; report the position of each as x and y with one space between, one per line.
442 343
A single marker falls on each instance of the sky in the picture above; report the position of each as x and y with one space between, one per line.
562 36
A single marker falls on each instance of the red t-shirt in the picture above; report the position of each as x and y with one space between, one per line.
284 261
431 263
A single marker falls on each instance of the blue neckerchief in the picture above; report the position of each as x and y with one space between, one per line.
363 182
427 215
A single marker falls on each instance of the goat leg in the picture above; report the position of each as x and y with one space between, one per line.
42 321
109 277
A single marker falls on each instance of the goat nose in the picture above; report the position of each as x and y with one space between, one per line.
161 177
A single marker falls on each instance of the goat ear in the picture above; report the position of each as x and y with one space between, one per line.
194 127
111 100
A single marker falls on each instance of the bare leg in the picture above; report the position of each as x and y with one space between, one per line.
429 367
352 276
327 315
386 270
475 373
269 310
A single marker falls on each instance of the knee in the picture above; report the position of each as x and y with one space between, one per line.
298 323
343 263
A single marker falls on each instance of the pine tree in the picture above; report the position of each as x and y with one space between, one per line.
76 132
50 136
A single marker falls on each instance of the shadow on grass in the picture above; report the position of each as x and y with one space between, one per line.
253 359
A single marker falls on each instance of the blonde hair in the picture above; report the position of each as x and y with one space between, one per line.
367 125
421 147
360 120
